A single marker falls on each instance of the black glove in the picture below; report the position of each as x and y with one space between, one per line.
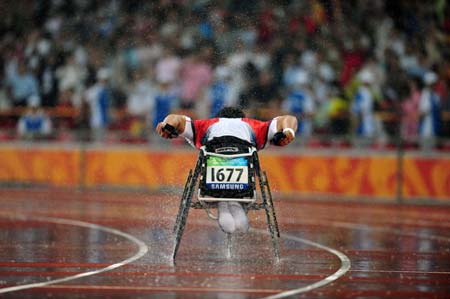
278 137
171 130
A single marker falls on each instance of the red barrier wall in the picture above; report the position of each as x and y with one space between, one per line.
306 173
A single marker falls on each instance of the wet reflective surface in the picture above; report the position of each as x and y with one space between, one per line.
394 251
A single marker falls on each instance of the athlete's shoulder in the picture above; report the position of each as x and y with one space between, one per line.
205 122
253 121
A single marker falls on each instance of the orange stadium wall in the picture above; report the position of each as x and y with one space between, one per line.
289 173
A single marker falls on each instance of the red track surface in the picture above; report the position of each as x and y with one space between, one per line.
395 251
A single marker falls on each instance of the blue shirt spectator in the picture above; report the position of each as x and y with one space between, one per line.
165 100
35 123
219 92
99 100
300 103
22 85
429 108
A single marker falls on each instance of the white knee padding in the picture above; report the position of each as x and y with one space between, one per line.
226 220
239 216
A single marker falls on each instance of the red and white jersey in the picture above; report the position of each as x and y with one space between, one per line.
257 132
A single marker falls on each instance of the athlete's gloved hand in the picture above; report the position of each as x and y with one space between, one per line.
284 137
166 130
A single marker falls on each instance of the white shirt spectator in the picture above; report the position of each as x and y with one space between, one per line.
429 108
363 110
141 99
428 103
167 69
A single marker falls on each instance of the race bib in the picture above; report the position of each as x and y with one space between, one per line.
226 173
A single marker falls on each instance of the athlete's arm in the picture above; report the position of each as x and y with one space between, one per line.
175 120
288 125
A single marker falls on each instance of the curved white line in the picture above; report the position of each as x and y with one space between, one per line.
344 259
345 266
143 249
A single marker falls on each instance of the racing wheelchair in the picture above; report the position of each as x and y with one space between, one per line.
227 169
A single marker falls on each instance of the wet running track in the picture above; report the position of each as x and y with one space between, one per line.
69 244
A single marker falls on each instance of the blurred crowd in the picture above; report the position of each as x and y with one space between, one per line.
367 69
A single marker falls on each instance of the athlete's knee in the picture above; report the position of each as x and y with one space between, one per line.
226 220
240 217
242 224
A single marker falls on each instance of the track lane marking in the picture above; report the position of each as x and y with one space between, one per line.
143 249
345 266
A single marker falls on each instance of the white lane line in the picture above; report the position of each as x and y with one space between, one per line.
345 261
143 249
345 266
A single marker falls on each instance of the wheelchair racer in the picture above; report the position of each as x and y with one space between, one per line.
230 121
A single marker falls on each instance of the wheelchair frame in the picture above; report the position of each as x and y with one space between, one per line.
208 203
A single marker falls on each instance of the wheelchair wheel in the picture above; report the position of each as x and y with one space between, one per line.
271 206
185 204
183 200
268 207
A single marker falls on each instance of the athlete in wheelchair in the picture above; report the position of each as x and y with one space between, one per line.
228 170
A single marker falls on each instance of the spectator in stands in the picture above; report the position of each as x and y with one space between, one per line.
72 75
388 122
323 81
353 58
410 110
429 111
339 112
141 95
99 99
219 92
168 67
250 37
264 94
238 60
48 82
300 103
140 102
363 108
291 67
166 101
379 76
22 85
446 117
34 124
196 75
